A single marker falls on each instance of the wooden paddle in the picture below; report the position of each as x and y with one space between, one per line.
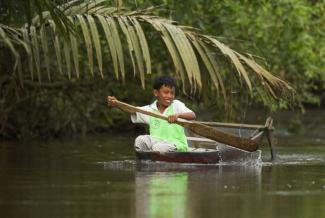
200 129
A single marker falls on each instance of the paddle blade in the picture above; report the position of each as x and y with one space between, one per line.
220 136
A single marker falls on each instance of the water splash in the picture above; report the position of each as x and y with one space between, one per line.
296 159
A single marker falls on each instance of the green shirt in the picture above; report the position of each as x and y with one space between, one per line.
161 129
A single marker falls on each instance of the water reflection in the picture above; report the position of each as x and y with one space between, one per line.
182 192
161 194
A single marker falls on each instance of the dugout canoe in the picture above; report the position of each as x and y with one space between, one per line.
207 151
200 156
202 129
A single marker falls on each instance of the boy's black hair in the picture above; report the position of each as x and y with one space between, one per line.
164 80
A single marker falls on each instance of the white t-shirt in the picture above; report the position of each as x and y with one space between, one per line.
178 107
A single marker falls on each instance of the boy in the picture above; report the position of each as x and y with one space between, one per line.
164 136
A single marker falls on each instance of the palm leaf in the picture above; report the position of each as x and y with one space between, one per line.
84 7
88 42
187 54
136 49
16 38
109 39
118 45
67 56
51 12
75 52
106 11
205 56
57 46
45 15
234 60
30 54
45 50
128 39
143 44
184 44
9 44
36 52
67 5
270 79
179 67
71 10
96 41
216 68
95 10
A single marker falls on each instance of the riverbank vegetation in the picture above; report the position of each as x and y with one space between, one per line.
61 59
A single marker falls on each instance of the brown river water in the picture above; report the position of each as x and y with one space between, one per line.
98 176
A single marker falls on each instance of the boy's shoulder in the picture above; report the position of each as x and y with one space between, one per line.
177 102
153 105
180 107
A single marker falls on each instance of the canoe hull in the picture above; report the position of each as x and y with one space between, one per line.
201 156
181 157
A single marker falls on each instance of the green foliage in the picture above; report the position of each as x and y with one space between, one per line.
59 110
286 34
186 47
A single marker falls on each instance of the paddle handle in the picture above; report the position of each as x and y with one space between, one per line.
134 109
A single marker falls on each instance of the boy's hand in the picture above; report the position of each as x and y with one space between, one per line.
172 118
111 101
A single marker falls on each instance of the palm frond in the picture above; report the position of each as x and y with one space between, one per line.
96 41
26 38
210 64
48 10
234 60
179 67
106 11
87 38
139 59
75 51
45 48
36 51
57 45
187 54
143 44
129 42
192 53
109 37
87 7
7 41
270 80
118 45
67 56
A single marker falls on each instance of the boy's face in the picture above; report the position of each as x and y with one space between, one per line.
165 95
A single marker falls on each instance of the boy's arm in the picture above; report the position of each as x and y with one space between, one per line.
111 101
186 116
182 112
